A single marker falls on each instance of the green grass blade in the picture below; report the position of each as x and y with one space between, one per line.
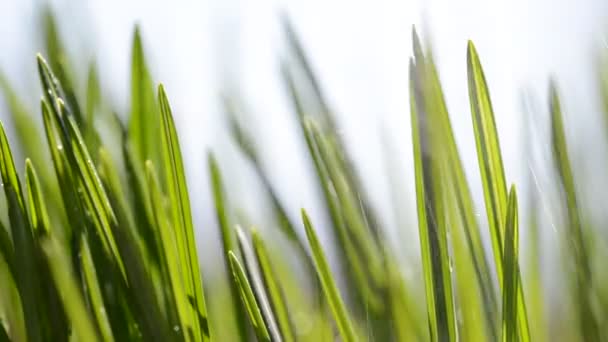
39 217
510 276
273 288
491 169
26 274
92 288
181 215
588 323
252 269
330 289
71 297
143 122
248 298
431 221
7 252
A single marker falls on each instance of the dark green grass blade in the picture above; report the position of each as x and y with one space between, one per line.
431 221
64 279
273 288
248 298
510 276
252 269
221 212
588 324
434 101
330 289
182 217
26 274
143 122
7 252
491 169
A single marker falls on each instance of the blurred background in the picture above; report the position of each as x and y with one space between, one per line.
204 49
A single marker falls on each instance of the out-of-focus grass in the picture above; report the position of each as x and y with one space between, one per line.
98 242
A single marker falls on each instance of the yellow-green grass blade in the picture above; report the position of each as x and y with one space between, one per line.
92 108
252 270
92 291
11 309
588 323
170 258
7 252
341 317
510 276
226 232
39 217
248 298
431 221
144 119
26 275
491 169
461 198
273 288
181 216
73 303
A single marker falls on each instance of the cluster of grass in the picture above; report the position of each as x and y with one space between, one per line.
98 242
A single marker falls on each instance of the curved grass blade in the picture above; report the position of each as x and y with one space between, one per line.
143 123
491 169
26 275
273 288
248 298
583 276
431 221
330 289
182 217
68 289
252 270
510 276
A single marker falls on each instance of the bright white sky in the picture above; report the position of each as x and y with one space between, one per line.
360 50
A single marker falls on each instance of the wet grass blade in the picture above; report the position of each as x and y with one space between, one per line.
431 221
330 289
273 288
248 298
182 217
491 169
588 324
510 276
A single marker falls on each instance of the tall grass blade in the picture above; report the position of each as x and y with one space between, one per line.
510 276
330 289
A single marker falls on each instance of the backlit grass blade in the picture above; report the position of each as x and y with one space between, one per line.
510 276
181 216
143 121
39 217
252 269
26 275
59 262
92 288
460 197
491 169
248 298
330 289
221 213
273 288
7 252
431 221
588 324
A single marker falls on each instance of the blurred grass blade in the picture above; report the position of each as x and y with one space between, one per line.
143 121
273 288
248 298
226 233
491 169
330 289
588 324
431 221
252 270
510 276
26 274
182 217
68 289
